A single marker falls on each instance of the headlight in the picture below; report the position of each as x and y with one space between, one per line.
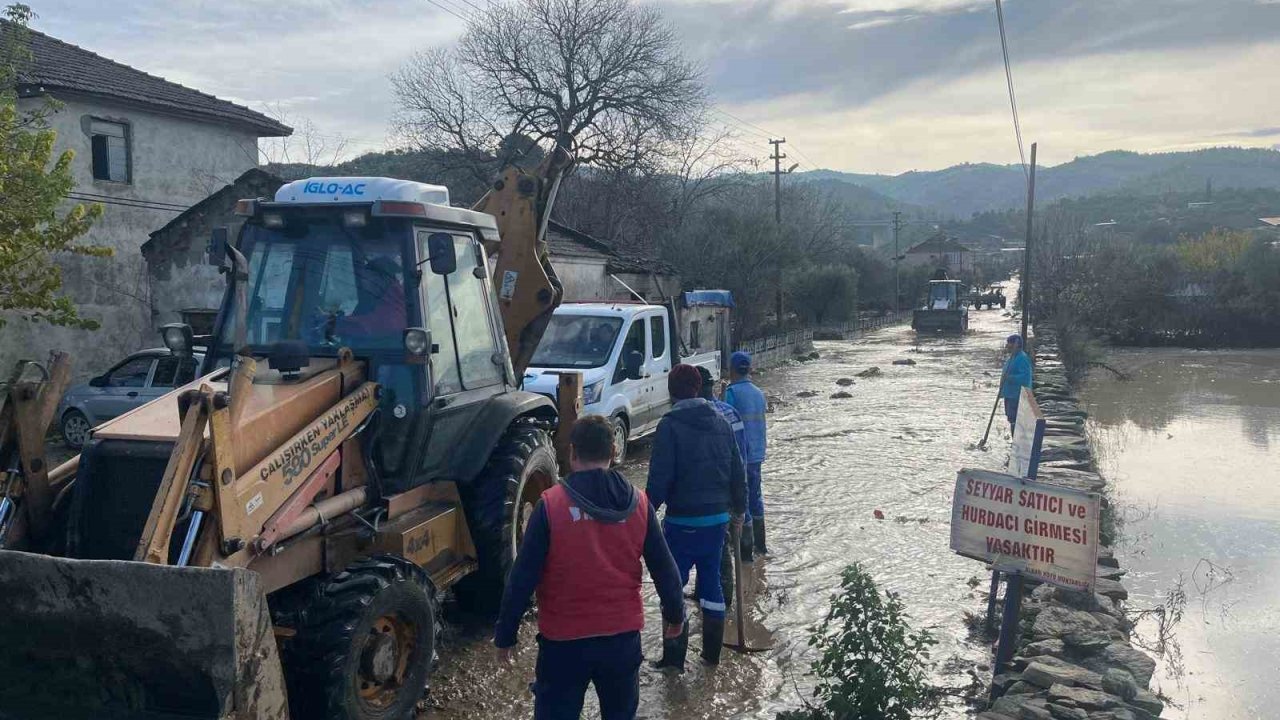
417 341
177 337
591 393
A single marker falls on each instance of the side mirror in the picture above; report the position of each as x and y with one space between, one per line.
218 246
178 338
441 253
633 364
100 381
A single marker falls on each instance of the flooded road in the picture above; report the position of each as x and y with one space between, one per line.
894 446
1189 446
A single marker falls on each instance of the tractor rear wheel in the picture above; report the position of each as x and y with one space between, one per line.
366 641
498 505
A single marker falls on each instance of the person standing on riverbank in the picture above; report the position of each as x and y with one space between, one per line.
581 554
696 471
751 405
1016 375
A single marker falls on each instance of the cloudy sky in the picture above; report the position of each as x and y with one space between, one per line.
856 85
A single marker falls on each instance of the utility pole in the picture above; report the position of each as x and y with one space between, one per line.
777 158
1025 282
897 294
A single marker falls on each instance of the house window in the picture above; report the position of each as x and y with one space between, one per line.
110 142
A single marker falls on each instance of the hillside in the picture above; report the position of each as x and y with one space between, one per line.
961 190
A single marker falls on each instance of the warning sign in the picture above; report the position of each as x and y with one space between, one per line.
1017 525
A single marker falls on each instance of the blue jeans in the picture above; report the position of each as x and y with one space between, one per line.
755 500
699 547
566 667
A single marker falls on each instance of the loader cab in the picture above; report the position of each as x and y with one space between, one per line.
385 268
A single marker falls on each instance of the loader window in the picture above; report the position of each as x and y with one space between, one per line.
326 285
459 318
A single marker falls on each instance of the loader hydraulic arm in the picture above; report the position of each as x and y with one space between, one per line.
528 288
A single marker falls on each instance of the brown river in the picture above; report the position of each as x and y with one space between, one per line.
894 446
1188 445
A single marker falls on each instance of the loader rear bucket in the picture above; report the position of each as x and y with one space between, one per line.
113 639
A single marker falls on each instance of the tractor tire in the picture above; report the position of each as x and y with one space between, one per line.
366 641
498 504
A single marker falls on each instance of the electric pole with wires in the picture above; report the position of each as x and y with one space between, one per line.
897 257
778 156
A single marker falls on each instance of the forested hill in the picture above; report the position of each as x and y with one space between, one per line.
961 190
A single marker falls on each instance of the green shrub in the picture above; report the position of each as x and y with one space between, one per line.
873 666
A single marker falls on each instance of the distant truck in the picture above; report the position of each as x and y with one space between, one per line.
625 352
944 309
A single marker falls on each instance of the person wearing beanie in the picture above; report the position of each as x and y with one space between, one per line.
581 555
751 405
696 470
1017 375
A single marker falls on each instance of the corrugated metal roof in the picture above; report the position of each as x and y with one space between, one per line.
58 65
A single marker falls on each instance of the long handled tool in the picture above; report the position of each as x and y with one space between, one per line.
982 444
736 550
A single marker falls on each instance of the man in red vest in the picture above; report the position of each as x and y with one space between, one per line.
581 554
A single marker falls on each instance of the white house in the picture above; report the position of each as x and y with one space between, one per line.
146 149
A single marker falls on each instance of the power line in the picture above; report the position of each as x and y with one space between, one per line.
136 204
451 12
83 195
477 8
1013 97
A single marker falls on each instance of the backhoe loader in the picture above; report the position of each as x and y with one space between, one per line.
271 540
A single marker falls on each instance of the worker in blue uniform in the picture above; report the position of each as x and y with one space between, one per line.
1017 375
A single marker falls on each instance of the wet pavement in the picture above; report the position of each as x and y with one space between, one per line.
893 447
1187 447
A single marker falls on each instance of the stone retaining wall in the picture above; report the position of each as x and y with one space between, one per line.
1074 660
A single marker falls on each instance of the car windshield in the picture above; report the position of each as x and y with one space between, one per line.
324 284
577 341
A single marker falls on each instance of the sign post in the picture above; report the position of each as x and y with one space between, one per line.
1022 527
1024 461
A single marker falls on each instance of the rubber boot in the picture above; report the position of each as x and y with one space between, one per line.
712 639
748 546
674 651
757 529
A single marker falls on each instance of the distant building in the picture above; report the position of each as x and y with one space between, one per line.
146 149
940 251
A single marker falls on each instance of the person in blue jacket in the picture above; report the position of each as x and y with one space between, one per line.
1017 375
696 471
744 449
751 405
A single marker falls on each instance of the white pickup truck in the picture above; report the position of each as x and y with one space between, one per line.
624 352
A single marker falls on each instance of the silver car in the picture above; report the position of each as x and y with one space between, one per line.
133 382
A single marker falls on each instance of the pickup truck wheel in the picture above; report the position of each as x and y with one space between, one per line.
620 433
366 642
498 505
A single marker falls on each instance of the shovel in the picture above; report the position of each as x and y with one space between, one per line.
982 444
735 537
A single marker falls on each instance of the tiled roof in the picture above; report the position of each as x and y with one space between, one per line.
939 244
57 65
564 241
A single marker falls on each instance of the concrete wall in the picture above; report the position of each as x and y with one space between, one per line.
174 161
181 277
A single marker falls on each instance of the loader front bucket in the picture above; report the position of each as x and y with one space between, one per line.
112 639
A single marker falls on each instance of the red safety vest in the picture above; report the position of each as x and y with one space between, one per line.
590 584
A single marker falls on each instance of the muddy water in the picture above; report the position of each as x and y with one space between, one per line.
894 447
1189 445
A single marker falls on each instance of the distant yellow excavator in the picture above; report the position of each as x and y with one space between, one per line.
271 540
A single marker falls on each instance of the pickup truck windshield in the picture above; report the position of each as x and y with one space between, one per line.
323 284
577 341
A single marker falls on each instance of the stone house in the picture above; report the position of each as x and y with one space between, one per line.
146 149
940 251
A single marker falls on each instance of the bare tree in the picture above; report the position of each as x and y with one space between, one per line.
604 79
306 146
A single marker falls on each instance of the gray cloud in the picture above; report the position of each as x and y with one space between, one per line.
867 84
